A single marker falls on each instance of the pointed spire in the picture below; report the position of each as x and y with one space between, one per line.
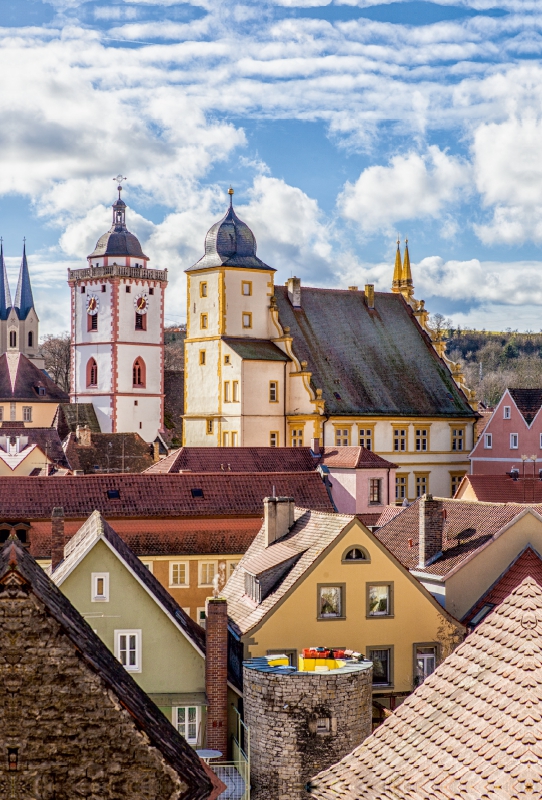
5 294
406 276
398 270
24 301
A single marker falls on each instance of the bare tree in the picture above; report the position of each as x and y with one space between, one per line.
56 351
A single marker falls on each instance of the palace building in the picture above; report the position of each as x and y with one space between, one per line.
270 365
117 321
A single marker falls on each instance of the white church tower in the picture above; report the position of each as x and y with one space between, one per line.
117 324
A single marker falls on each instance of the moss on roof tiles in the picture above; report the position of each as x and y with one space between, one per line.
256 350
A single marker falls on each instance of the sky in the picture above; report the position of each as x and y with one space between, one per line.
341 126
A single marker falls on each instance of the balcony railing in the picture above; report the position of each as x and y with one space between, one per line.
116 270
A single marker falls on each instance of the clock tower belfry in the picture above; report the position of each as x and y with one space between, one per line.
117 332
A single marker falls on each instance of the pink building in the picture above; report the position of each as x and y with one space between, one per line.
512 437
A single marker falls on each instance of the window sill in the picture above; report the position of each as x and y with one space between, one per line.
379 616
329 619
100 599
179 586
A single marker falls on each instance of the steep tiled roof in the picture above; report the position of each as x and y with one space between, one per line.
502 489
466 527
389 513
109 452
354 458
527 564
97 657
480 424
70 415
47 439
179 495
311 533
20 379
369 361
256 349
472 730
528 402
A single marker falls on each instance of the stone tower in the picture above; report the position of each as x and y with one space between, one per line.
117 333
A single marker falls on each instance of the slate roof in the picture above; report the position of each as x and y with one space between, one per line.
20 379
369 362
256 349
527 564
311 533
70 415
173 406
175 750
109 452
47 439
467 526
528 402
502 489
472 730
118 241
5 294
24 300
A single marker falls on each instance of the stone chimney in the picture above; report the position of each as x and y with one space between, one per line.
155 452
370 295
83 436
315 446
278 517
294 291
216 674
57 537
431 529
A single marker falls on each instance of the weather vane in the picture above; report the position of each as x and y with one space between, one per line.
119 179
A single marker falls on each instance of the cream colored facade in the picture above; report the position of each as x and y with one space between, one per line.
34 415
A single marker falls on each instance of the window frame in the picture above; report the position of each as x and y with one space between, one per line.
227 359
418 476
507 412
488 441
199 618
203 288
235 392
332 585
204 322
234 438
415 646
248 284
391 599
456 476
296 436
514 437
94 596
138 649
246 317
378 483
227 392
459 436
342 432
202 358
421 440
366 560
225 438
400 436
273 389
140 323
276 441
209 426
367 434
92 322
199 726
186 565
139 369
201 563
391 663
405 484
27 413
92 371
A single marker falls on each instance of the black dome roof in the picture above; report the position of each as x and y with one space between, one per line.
118 241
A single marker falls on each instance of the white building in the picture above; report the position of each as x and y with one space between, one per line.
117 322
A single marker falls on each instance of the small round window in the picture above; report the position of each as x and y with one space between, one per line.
356 554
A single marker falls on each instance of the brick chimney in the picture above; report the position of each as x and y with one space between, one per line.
278 517
370 295
315 446
294 291
431 529
83 436
57 537
216 674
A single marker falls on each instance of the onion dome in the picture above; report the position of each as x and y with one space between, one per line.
230 243
118 241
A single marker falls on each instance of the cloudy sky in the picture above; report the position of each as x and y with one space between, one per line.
340 125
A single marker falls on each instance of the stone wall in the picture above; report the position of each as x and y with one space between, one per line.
282 711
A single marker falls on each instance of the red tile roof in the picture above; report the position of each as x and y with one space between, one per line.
528 402
20 379
502 489
527 565
473 729
354 458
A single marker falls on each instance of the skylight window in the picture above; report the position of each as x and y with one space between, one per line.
197 492
113 494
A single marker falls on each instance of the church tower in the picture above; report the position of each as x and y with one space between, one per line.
117 332
19 323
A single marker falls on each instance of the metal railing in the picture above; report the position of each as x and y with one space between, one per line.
236 773
118 271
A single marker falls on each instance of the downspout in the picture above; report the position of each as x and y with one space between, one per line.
284 404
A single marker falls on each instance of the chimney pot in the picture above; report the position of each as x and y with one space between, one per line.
294 292
278 517
57 537
370 295
353 288
216 674
431 529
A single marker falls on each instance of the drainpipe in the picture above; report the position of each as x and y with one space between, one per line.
284 406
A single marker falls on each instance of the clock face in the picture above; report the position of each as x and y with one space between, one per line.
93 304
141 303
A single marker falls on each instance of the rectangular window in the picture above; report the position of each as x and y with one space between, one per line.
246 288
203 321
231 567
273 391
382 671
421 440
274 439
366 438
234 439
140 322
458 439
92 322
207 572
227 396
201 617
488 441
203 289
342 437
226 359
148 565
209 426
187 720
456 480
225 439
331 601
1 413
422 485
128 289
296 437
426 662
399 439
235 388
151 290
128 649
514 441
13 411
83 290
379 600
401 487
375 490
100 587
247 320
507 412
27 413
202 357
179 573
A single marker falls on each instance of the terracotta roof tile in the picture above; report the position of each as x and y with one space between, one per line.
109 452
47 439
354 458
502 489
20 379
472 730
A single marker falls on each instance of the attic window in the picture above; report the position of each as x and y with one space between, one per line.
484 611
253 588
356 554
197 492
41 391
113 494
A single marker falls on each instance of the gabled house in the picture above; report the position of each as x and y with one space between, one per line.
325 579
503 488
512 437
138 620
74 721
472 730
30 451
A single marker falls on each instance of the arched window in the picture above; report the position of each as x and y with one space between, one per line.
138 373
30 339
92 373
356 554
13 338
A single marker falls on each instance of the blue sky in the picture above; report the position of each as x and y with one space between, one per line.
341 125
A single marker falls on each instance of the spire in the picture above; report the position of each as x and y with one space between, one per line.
397 271
406 276
24 301
5 294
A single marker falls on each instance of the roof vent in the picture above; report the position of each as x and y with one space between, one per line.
197 492
113 494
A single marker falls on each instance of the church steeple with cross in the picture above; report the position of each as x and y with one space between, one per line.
19 322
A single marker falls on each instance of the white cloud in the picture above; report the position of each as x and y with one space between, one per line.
412 187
